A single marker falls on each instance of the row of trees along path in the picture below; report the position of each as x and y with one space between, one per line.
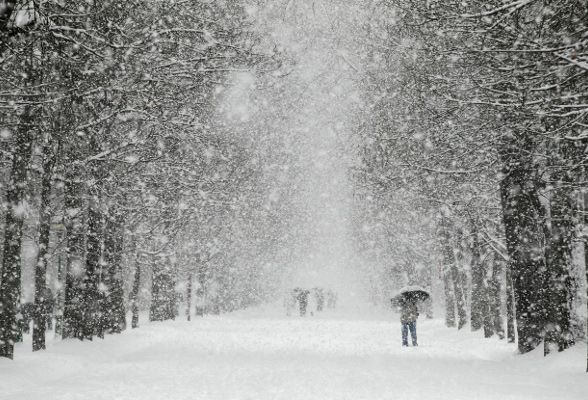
473 122
481 128
111 155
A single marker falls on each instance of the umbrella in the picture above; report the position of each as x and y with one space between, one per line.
413 293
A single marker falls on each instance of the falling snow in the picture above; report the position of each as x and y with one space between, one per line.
233 199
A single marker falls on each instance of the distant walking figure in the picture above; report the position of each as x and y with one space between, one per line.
303 300
408 316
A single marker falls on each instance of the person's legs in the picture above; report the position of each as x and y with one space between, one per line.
412 327
404 330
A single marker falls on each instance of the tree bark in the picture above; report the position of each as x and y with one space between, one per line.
10 276
586 268
74 268
510 307
479 293
189 297
135 294
113 305
163 301
585 241
449 301
494 297
42 293
488 322
523 218
201 297
93 320
459 282
448 269
562 285
459 288
59 297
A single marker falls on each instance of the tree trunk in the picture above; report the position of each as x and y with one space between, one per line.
448 272
585 241
41 314
586 268
562 285
523 217
10 276
459 281
510 307
459 288
163 299
189 297
488 305
201 296
449 301
113 305
428 303
479 293
494 297
135 294
74 269
93 320
59 298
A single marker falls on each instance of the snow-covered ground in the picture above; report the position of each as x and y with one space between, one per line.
260 354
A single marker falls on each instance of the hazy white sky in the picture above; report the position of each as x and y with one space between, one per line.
318 95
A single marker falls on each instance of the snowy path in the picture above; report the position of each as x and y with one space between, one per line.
248 356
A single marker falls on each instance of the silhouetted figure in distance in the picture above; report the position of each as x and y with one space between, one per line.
303 301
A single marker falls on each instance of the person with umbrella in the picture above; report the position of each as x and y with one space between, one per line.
406 301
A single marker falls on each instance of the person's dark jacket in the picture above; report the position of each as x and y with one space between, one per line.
409 311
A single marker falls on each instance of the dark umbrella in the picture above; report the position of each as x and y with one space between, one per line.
411 293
